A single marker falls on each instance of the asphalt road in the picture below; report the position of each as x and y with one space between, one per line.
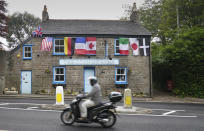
17 115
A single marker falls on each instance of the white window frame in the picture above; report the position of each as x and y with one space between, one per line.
55 74
124 81
26 52
60 46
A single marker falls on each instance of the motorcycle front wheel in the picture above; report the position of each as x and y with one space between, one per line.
109 119
67 117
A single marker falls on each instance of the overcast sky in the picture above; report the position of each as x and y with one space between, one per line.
73 9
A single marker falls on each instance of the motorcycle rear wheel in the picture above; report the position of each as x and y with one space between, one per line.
67 117
111 119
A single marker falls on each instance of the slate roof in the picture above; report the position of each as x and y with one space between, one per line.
92 27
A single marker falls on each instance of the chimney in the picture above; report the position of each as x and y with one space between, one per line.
134 14
45 15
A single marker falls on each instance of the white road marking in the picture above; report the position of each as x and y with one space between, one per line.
157 115
24 104
167 113
29 109
32 107
3 104
35 109
166 110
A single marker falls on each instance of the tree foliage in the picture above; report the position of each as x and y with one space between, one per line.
180 55
20 26
185 61
3 18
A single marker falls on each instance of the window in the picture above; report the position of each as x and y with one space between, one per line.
58 47
27 52
58 75
117 52
121 75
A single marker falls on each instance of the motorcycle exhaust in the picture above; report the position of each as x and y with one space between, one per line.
103 120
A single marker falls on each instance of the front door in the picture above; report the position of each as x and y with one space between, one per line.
90 71
26 82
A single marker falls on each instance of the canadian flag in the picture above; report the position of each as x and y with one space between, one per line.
91 45
134 43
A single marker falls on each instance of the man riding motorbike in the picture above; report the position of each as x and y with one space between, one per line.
94 98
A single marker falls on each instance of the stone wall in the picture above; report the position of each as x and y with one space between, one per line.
42 64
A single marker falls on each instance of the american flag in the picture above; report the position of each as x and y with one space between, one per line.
46 44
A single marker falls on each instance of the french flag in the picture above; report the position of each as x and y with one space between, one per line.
80 46
91 45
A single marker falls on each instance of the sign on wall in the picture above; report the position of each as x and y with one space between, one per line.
88 62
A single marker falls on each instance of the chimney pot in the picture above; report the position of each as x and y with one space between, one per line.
45 15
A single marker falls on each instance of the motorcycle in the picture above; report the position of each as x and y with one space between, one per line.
104 113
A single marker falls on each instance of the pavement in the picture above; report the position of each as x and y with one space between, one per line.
162 97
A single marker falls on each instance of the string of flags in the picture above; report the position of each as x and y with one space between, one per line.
87 46
37 32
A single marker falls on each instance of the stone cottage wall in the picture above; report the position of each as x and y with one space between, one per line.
42 64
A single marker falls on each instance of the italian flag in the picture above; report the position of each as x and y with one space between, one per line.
124 46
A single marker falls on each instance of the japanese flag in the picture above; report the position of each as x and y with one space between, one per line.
134 43
91 45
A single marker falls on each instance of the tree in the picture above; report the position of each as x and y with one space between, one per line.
20 26
164 18
3 19
184 59
150 16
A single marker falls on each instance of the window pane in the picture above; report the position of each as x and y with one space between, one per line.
61 77
56 49
62 42
123 78
61 71
29 49
56 42
117 50
122 71
118 78
118 71
29 54
57 70
117 43
57 78
61 50
26 54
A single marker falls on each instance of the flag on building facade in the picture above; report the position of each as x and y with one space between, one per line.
46 44
37 32
91 45
67 45
80 46
144 47
134 43
124 46
73 46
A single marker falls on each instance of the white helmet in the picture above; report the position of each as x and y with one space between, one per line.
92 80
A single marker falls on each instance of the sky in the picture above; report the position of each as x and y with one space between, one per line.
73 9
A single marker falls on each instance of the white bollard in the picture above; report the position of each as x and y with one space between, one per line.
59 95
127 98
